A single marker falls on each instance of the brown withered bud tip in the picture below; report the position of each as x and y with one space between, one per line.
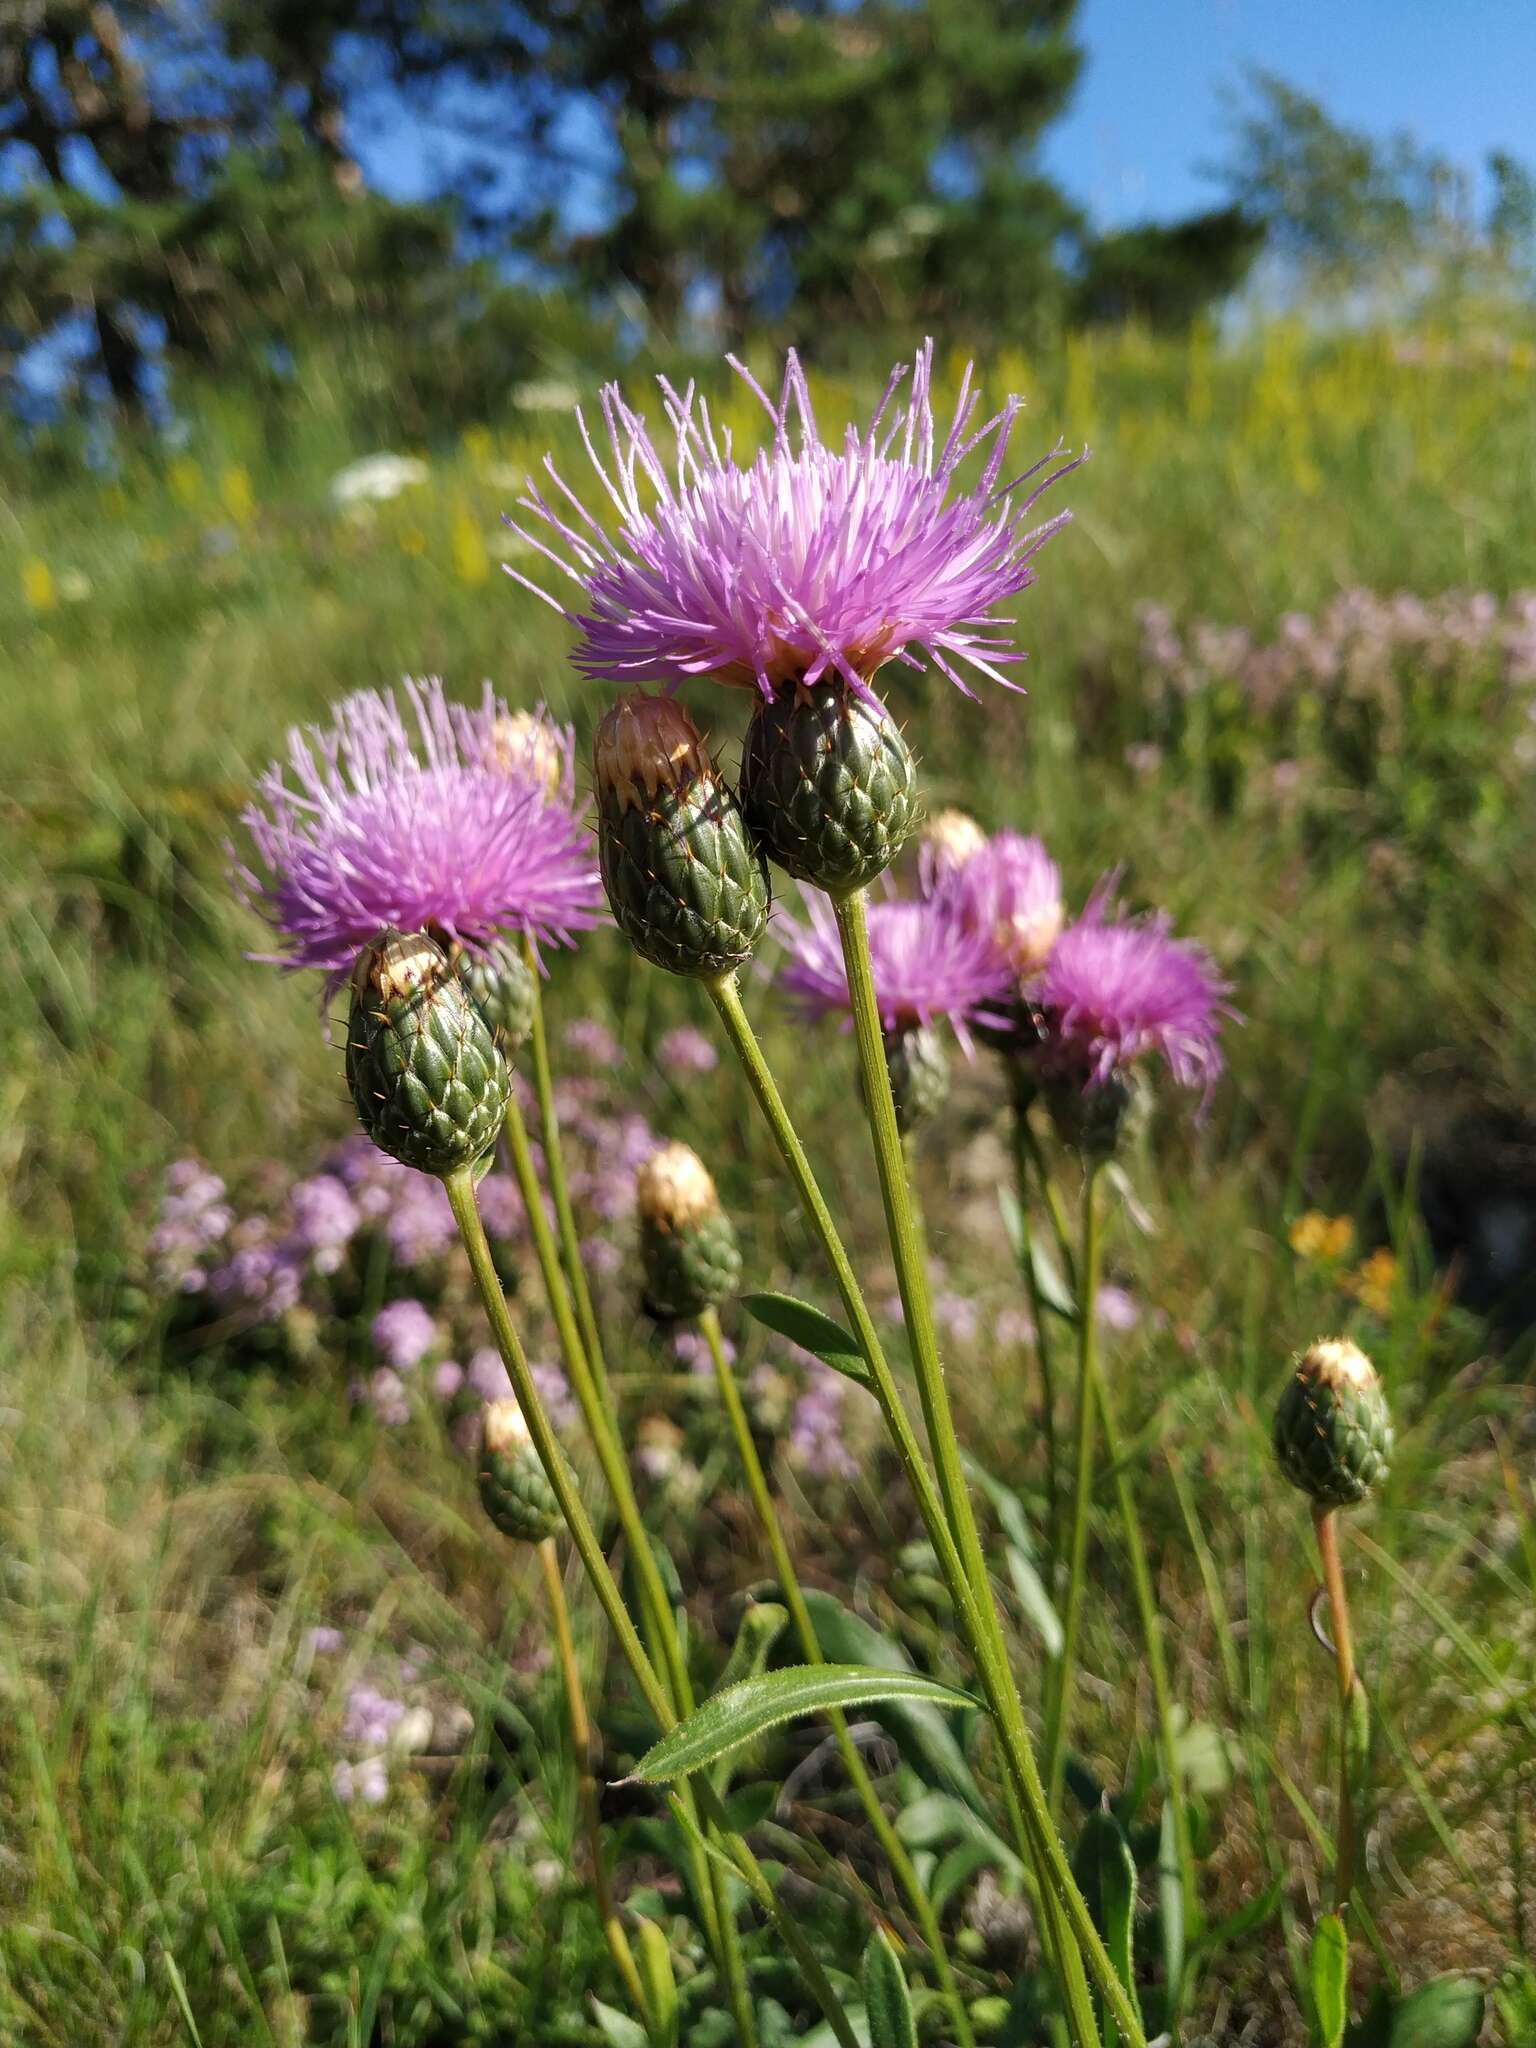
1336 1362
644 744
953 837
524 743
1025 940
674 1188
397 964
504 1428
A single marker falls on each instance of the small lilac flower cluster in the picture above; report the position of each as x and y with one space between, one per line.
307 1254
385 1721
1354 647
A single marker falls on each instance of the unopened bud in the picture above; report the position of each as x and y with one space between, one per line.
688 1252
514 1487
527 745
427 1078
828 785
502 983
1333 1429
686 886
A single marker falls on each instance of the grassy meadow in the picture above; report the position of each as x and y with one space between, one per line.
182 1505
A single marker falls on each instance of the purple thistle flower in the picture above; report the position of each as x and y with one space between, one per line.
403 1332
593 1042
440 826
1114 992
810 561
927 962
1010 892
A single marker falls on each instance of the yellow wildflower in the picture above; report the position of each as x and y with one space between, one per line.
1375 1282
37 588
235 492
185 480
1316 1236
471 562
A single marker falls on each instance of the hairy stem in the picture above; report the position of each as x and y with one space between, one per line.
581 1745
460 1189
1064 1905
559 1189
1325 1521
1059 1720
805 1629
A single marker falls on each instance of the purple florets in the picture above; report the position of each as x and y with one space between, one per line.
1114 992
403 1332
811 561
686 1051
928 962
427 820
1010 893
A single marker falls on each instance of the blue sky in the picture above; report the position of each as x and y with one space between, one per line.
1461 74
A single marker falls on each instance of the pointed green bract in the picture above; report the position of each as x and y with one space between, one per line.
514 1487
828 785
427 1078
919 1069
685 884
502 984
690 1269
1333 1429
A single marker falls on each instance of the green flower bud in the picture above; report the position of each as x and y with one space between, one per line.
1096 1119
688 1252
918 1066
514 1487
686 885
426 1076
502 984
828 785
1333 1429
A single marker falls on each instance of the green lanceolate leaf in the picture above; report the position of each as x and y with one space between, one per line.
742 1711
1106 1871
811 1330
660 1985
887 2002
1330 1979
925 1736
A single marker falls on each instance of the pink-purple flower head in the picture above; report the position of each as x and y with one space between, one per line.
1010 892
428 815
812 559
928 965
1114 992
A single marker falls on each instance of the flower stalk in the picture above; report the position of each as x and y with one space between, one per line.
894 1848
460 1189
581 1746
1325 1521
1059 1720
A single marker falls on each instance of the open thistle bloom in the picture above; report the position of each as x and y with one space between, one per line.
1114 993
929 968
813 560
1009 890
426 816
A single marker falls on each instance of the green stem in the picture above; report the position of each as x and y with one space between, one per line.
656 1618
1023 1156
1325 1521
805 1629
912 1282
1059 1721
1050 1195
1157 1662
559 1189
460 1190
581 1745
1041 1846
